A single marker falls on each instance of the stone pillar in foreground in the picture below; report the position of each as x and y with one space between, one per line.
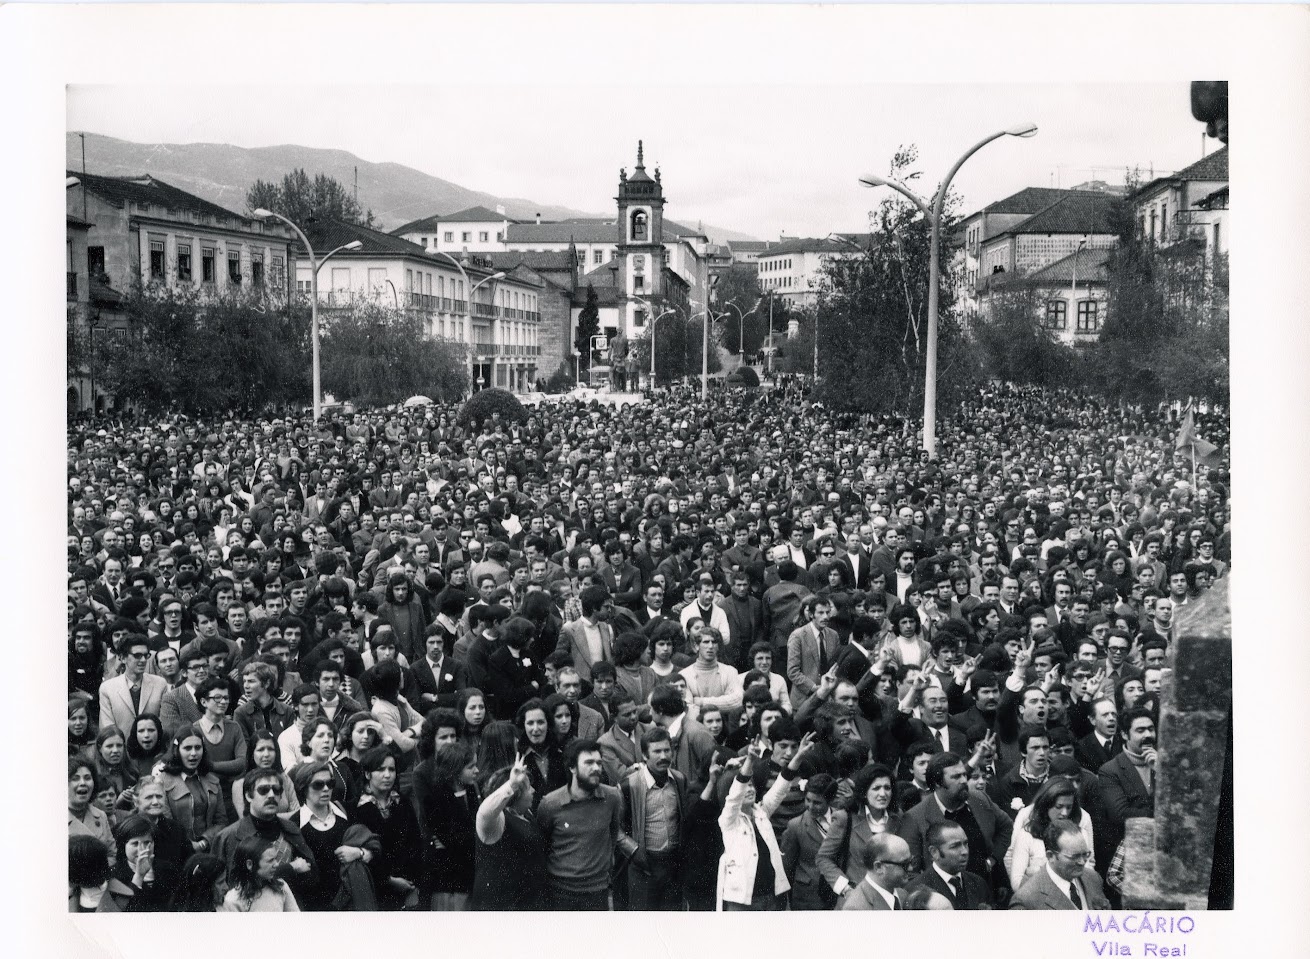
1169 859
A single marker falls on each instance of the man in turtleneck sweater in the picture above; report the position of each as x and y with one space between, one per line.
710 682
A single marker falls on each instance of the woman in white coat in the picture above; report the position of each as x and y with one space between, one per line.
1057 799
751 874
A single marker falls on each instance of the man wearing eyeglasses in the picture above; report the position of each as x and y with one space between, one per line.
888 863
1067 881
263 789
125 697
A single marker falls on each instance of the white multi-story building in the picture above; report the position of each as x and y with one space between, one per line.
498 329
475 230
792 269
1191 204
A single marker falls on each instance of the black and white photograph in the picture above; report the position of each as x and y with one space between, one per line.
591 486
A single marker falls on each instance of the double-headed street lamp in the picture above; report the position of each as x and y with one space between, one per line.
315 265
933 212
741 324
468 311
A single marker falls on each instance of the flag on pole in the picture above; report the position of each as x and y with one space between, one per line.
1207 454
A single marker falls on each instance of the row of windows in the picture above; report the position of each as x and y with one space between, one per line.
208 264
465 236
773 266
778 281
1089 320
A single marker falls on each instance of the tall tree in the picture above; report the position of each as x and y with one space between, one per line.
199 353
377 355
588 326
303 200
873 315
737 294
1014 343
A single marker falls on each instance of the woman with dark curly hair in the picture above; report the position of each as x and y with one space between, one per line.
202 885
544 757
389 817
841 855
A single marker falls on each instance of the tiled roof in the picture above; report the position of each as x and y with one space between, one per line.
677 229
1030 200
1212 167
544 260
474 214
1091 267
604 275
146 189
329 234
807 245
581 231
748 246
1074 213
605 295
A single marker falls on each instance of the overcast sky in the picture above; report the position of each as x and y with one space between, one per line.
762 159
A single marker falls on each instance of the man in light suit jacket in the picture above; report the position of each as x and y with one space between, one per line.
811 651
573 637
887 862
125 697
1066 881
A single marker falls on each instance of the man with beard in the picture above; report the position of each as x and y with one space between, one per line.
582 824
657 808
975 712
985 824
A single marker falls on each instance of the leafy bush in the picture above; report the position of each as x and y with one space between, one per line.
561 381
744 376
483 404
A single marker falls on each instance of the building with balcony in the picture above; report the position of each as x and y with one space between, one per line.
1190 205
124 231
497 330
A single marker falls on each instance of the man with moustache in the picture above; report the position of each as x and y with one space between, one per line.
657 807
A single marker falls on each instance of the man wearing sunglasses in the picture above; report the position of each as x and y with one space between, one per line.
263 789
888 863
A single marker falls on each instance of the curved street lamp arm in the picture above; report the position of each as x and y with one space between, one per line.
939 200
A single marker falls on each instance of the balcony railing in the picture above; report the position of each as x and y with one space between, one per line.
72 286
421 301
483 309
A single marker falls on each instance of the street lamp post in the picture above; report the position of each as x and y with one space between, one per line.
653 321
741 325
468 304
315 265
933 211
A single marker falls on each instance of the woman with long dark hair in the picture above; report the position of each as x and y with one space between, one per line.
202 885
147 746
497 747
389 817
253 879
472 708
195 799
1056 799
333 841
446 802
81 740
401 723
544 757
134 841
564 715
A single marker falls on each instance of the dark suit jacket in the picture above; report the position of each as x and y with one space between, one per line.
800 850
1092 755
977 894
1039 892
866 564
907 730
624 583
453 679
996 826
1123 796
618 751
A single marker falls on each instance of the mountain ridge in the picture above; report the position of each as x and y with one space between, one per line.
223 172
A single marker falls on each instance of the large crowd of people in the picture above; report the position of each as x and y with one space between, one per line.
741 654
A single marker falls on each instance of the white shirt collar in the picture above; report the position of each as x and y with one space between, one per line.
675 727
1061 884
307 815
946 876
889 898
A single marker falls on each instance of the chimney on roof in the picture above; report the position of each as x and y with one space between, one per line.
500 208
538 219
